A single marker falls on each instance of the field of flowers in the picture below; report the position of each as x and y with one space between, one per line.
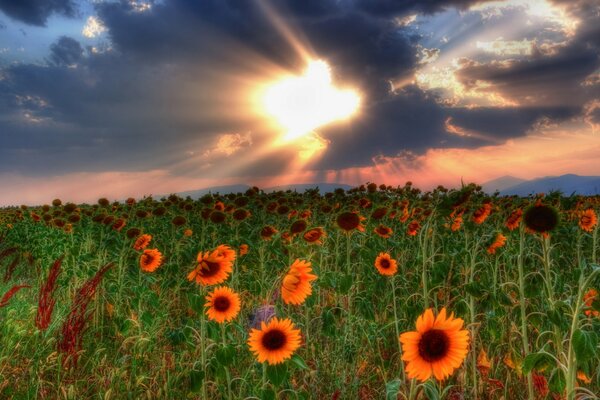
372 293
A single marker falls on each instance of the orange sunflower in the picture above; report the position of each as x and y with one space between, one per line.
314 235
481 214
223 304
588 300
296 284
385 264
588 220
413 228
514 219
213 267
349 221
384 231
437 347
498 242
150 260
142 242
275 342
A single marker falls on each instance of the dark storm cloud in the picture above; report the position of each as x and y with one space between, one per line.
66 51
385 8
36 12
148 102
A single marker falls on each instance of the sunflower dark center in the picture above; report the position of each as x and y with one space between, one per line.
209 268
384 263
348 221
541 218
274 339
148 259
221 303
434 345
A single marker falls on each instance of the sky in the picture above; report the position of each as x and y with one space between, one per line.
128 98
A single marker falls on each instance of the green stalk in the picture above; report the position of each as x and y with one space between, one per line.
227 374
546 248
571 356
524 335
393 283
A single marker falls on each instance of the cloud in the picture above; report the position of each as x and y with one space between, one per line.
174 76
65 52
93 27
37 12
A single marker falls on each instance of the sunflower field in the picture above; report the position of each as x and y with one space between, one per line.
377 292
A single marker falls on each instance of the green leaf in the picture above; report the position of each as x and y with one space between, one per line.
557 382
196 378
536 361
431 391
299 362
475 289
391 389
584 344
225 355
556 317
277 374
346 283
268 394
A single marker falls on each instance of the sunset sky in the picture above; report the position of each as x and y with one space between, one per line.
131 98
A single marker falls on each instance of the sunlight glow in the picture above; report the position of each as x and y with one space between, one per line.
301 104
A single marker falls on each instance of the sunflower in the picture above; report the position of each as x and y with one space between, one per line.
314 235
298 227
267 232
498 242
275 342
296 284
385 264
213 267
349 221
541 218
437 347
413 228
456 223
588 220
588 300
243 249
223 304
383 231
514 219
481 214
150 260
142 242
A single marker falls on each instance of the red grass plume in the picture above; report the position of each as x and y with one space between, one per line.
74 326
46 301
11 268
8 295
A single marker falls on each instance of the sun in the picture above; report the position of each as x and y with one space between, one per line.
300 104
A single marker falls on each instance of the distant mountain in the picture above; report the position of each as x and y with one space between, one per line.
502 183
323 188
567 184
196 194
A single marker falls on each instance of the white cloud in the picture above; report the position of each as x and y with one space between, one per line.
93 27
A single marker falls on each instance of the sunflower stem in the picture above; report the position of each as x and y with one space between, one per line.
227 373
393 283
524 335
203 348
571 356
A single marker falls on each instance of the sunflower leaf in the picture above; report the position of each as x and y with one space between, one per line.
299 362
391 389
536 361
277 374
584 344
196 378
